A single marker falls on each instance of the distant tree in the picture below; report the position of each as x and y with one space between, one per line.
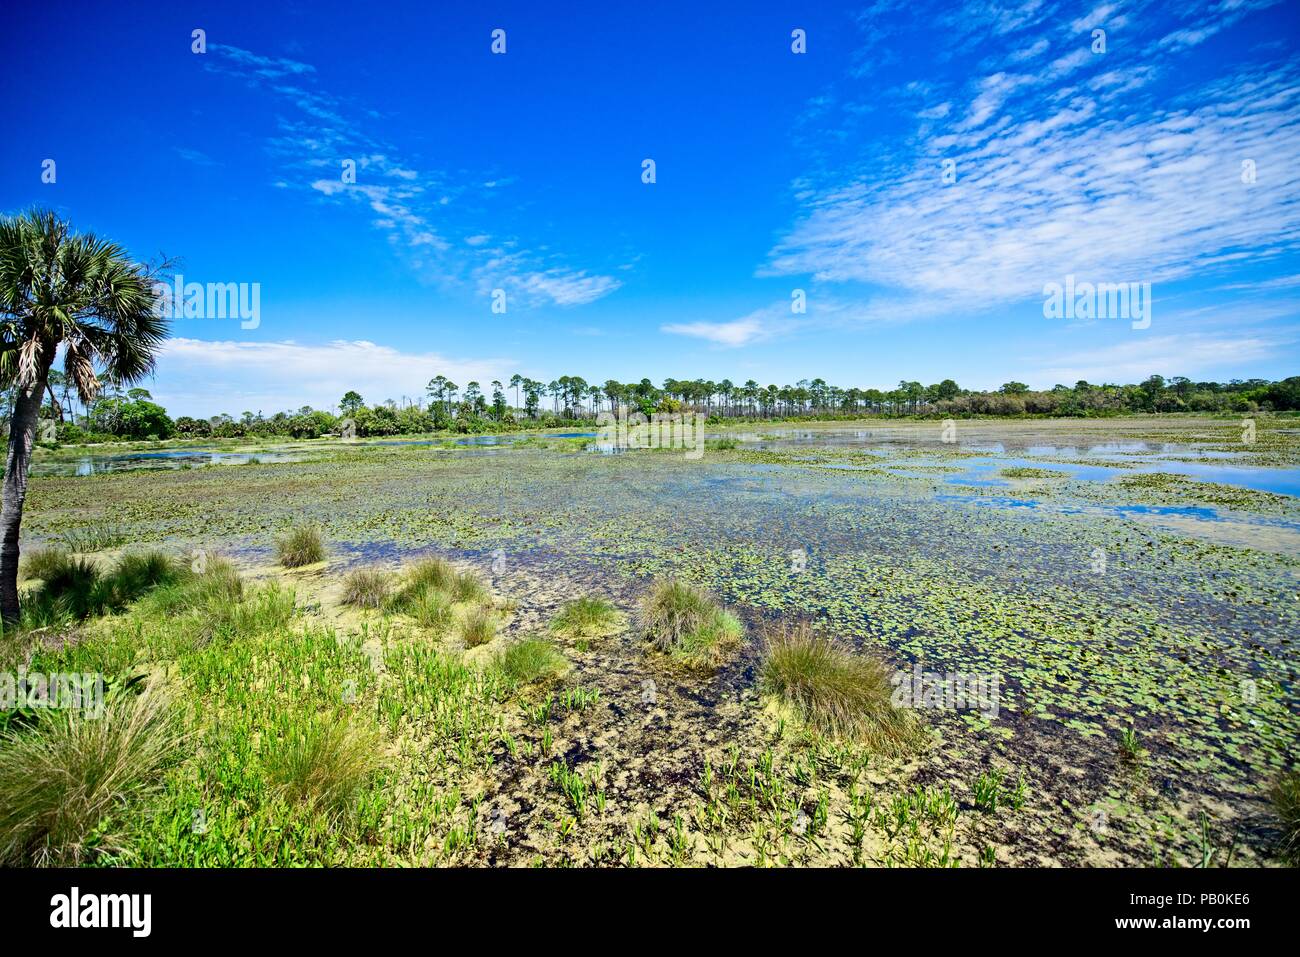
350 402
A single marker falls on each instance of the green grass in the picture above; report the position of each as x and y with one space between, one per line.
73 588
437 573
687 624
478 627
532 660
300 545
323 762
587 618
834 691
94 538
366 587
988 791
1285 795
68 785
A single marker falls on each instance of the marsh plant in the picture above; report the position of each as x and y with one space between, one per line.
300 545
586 618
323 762
687 624
478 627
1285 795
68 783
834 691
366 587
73 587
532 660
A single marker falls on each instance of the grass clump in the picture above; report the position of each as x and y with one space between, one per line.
478 628
301 545
42 563
66 782
1285 795
431 589
687 624
435 573
366 587
835 692
323 763
431 609
587 618
533 660
74 588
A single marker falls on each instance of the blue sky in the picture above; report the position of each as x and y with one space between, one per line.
775 171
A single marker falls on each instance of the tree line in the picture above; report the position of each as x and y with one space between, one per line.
522 402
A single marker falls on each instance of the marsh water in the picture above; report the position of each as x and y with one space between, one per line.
1111 574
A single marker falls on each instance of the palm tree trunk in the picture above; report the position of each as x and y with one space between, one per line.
22 430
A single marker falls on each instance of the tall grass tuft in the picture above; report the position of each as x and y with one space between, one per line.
300 545
324 762
41 563
366 587
1285 795
587 618
478 627
687 623
437 573
74 588
532 660
835 692
67 782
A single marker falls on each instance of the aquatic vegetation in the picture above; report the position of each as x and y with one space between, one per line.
532 660
835 691
366 587
1032 473
95 537
1130 750
300 545
587 618
687 623
68 784
322 761
988 790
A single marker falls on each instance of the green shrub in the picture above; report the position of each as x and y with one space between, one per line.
834 691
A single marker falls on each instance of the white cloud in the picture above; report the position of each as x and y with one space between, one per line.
739 332
1132 361
208 377
1123 196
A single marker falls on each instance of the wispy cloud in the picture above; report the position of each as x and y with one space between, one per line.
417 208
1072 168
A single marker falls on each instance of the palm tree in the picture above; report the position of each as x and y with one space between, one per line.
86 295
